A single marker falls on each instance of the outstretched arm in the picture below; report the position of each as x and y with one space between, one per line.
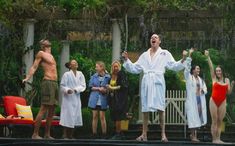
176 66
211 67
34 67
134 68
187 65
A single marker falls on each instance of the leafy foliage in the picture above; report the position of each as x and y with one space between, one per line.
86 65
10 71
173 81
12 46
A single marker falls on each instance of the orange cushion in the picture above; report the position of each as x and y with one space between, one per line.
24 111
10 104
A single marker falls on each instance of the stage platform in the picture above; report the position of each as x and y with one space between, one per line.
99 142
177 137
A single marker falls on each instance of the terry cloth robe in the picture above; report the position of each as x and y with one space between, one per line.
153 82
191 106
71 114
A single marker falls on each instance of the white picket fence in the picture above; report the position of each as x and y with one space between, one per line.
175 108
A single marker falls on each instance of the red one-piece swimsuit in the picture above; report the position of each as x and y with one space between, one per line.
219 93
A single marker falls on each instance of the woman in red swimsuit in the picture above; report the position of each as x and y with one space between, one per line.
221 87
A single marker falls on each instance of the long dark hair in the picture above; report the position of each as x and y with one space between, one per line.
191 72
193 68
67 65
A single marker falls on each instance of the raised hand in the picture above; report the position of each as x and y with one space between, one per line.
191 51
206 53
185 53
125 55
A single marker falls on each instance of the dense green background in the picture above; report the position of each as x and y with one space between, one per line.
12 13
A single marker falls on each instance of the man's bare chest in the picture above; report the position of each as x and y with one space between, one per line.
48 59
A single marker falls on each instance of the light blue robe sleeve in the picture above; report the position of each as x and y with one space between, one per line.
63 83
134 68
187 65
82 86
174 65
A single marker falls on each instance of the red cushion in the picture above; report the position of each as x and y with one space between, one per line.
20 122
10 104
53 123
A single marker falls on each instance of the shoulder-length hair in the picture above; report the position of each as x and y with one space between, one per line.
119 65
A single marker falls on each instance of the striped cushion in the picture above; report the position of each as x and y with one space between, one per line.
24 111
1 116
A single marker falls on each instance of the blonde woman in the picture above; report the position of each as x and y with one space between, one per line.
98 97
118 97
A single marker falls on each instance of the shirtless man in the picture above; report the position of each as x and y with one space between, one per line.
49 87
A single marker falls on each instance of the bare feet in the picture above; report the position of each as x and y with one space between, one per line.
36 137
164 138
218 142
142 138
194 139
65 138
49 137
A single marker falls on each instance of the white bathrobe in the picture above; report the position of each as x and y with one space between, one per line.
191 107
71 114
153 83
